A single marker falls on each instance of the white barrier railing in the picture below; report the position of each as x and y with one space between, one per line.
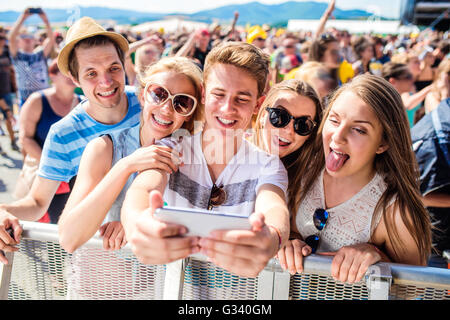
41 269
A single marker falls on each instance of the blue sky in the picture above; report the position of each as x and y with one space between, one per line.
388 8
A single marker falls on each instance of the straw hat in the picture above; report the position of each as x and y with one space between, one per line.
85 28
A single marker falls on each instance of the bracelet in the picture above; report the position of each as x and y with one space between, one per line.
279 235
377 249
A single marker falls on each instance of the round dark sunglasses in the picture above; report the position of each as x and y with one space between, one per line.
280 118
183 104
320 218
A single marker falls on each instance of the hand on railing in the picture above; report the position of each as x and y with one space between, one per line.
350 263
10 231
113 235
291 256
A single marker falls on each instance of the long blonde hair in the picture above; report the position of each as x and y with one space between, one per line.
298 170
397 164
180 65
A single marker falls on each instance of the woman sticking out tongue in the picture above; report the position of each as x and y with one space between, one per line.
363 204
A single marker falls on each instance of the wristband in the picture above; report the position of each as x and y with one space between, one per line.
279 236
376 249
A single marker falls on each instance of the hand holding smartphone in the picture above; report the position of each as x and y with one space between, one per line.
201 222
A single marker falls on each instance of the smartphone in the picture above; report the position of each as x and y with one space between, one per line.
35 10
202 222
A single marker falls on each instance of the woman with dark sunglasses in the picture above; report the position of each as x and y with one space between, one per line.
170 93
287 125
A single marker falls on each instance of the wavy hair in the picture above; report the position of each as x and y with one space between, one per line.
299 162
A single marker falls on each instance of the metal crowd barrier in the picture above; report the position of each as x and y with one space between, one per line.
42 270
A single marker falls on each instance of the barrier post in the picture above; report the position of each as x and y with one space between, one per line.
265 285
378 281
5 275
174 280
282 281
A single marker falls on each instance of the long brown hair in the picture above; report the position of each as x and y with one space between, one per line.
298 169
397 164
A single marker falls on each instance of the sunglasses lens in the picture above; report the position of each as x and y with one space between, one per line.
157 94
218 196
313 242
183 104
320 218
303 126
279 118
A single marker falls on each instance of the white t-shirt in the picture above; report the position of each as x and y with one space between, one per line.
248 170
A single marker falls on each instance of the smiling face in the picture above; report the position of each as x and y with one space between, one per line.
231 98
160 121
283 141
101 75
352 137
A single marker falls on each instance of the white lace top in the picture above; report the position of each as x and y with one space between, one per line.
348 223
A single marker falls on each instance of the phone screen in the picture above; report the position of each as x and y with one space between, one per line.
35 10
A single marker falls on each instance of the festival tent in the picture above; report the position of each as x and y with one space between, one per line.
169 25
354 26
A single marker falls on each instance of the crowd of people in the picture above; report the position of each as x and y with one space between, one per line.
121 123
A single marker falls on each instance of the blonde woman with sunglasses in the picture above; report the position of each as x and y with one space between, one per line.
170 94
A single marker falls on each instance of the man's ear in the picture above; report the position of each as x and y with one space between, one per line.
203 95
141 98
259 103
75 81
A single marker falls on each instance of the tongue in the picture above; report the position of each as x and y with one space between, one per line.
335 161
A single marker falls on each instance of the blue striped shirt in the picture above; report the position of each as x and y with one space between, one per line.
69 136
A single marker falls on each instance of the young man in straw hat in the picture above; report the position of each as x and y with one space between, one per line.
94 59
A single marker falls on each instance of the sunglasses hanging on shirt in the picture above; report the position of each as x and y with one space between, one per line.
217 197
320 218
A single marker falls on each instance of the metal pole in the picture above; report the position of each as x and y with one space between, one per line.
5 275
378 281
174 280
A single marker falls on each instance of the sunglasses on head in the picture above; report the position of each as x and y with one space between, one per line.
217 197
320 218
183 104
280 118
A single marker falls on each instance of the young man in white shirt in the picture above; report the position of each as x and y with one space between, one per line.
217 159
